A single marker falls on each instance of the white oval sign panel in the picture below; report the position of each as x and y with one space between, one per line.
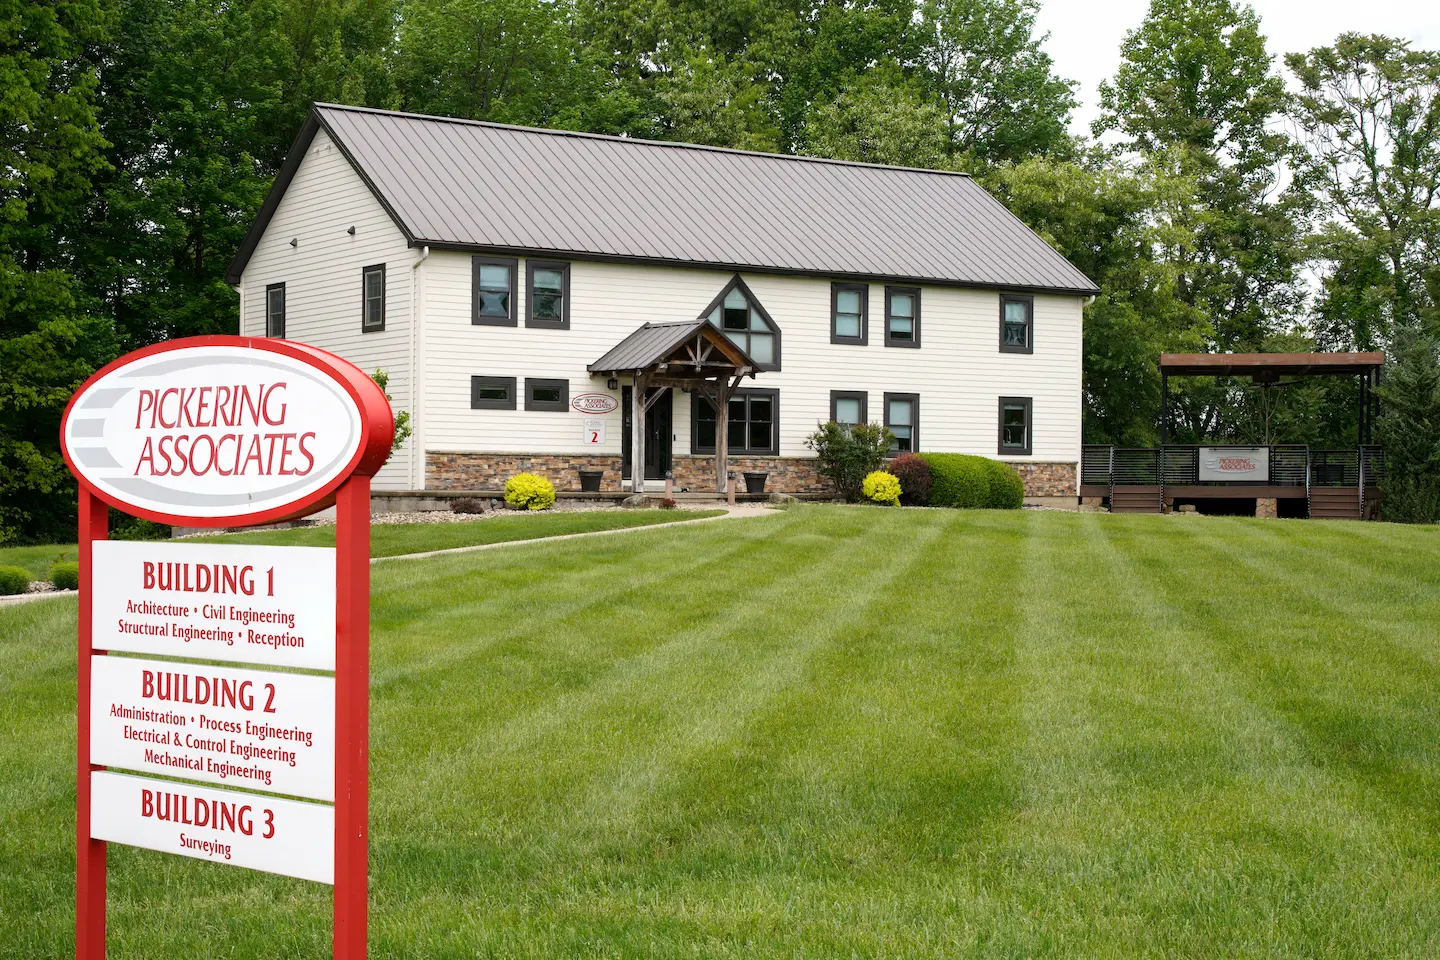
595 403
212 432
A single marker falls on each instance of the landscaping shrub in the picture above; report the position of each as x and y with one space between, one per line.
1007 488
914 476
65 575
846 454
667 503
529 491
13 580
467 505
882 487
962 480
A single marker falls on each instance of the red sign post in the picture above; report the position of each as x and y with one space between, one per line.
226 432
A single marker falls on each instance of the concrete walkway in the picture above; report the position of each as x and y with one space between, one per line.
739 510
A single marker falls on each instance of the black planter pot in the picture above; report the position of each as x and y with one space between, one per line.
590 480
755 482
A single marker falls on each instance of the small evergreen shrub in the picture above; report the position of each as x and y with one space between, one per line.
914 476
467 505
962 480
846 454
529 491
1007 488
65 575
882 487
13 580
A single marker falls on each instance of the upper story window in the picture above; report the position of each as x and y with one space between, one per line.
275 310
752 424
740 317
902 316
547 294
902 417
847 407
1017 323
1015 426
372 298
849 313
492 291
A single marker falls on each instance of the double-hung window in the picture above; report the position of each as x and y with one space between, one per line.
902 316
492 393
737 314
275 310
547 294
1016 426
752 426
492 292
849 313
902 418
1017 323
847 407
372 298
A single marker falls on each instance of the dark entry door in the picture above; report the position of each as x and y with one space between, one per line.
659 432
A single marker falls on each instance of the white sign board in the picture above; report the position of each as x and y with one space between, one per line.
214 601
252 729
213 431
1235 463
594 432
288 837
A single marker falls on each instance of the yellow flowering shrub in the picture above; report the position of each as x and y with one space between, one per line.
882 487
529 491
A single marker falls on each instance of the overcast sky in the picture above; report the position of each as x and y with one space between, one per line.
1085 36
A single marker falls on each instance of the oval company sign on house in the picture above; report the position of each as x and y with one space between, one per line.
224 431
595 403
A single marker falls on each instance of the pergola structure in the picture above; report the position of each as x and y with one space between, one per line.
1268 368
692 355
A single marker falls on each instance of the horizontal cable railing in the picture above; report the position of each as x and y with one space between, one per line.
1290 465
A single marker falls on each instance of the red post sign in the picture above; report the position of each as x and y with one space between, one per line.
188 758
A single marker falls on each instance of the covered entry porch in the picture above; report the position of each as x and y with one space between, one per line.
658 357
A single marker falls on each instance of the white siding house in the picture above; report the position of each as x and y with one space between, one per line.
628 233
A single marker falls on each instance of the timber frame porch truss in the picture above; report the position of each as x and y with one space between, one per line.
692 356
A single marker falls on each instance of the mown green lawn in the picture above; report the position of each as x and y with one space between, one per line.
841 732
389 540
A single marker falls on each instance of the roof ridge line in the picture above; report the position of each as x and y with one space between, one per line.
637 141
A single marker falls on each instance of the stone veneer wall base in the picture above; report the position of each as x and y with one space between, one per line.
489 471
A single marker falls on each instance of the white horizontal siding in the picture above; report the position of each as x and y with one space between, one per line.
322 277
958 371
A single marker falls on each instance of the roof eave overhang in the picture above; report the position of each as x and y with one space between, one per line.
594 257
314 123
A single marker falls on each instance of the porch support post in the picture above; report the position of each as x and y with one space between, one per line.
637 433
1164 405
722 432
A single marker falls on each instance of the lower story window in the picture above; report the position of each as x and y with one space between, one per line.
751 428
847 407
1015 426
902 417
492 393
547 394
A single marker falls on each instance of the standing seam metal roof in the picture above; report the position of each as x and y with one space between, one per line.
650 344
485 186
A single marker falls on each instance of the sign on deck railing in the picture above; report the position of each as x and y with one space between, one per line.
1235 463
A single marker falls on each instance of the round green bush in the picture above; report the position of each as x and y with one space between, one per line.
529 491
965 481
65 575
1007 489
881 487
13 580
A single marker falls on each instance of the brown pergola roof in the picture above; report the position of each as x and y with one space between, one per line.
1269 366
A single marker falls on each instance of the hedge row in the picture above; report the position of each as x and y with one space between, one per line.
962 480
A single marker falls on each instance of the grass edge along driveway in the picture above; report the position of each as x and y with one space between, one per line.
841 732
